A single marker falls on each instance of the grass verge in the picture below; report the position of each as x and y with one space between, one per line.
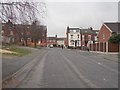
18 51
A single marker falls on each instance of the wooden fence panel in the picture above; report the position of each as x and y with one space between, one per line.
113 47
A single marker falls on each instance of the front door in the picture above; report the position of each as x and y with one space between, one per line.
75 43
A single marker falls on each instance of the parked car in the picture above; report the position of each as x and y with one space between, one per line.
51 46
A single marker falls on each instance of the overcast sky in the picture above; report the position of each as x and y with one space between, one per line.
79 14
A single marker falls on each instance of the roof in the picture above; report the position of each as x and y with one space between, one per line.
61 38
114 26
88 31
72 28
51 38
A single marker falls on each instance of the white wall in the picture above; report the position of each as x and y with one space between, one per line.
75 37
60 42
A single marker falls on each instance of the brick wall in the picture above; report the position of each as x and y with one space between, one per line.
104 31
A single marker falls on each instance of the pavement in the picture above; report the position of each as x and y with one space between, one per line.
62 68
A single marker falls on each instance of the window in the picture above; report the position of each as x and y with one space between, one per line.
78 42
43 34
28 33
71 36
11 32
103 36
78 35
74 30
83 37
96 38
71 30
77 30
89 37
72 42
2 32
22 33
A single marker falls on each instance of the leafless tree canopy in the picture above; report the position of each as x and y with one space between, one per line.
21 12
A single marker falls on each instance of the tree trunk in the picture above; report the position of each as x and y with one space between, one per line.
26 43
119 48
35 44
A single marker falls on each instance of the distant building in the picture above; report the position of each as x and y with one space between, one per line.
88 36
61 41
77 37
106 31
52 41
9 34
22 34
73 37
43 38
56 42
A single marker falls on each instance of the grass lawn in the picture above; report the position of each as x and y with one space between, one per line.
18 51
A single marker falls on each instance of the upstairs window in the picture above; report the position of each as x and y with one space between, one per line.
83 37
74 30
11 32
71 36
78 35
77 30
103 36
2 32
96 38
89 37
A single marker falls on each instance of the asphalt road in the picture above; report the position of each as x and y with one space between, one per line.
11 64
64 68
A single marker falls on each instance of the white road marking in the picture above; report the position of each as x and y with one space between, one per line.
85 80
99 63
104 79
109 68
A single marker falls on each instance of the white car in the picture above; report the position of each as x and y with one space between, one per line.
51 46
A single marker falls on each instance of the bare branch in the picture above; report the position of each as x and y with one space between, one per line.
15 11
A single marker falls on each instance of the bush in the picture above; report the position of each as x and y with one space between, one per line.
115 38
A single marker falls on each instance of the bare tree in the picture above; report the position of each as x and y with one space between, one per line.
21 12
24 13
36 32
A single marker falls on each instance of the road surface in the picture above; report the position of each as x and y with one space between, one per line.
65 68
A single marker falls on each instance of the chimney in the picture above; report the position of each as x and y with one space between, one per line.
56 36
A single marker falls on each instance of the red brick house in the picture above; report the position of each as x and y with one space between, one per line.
105 32
19 33
30 34
52 41
88 36
61 41
9 34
